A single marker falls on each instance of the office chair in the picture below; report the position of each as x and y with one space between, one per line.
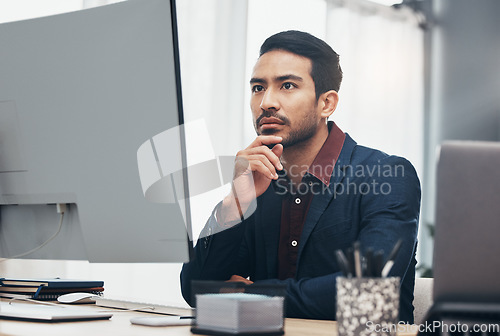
422 299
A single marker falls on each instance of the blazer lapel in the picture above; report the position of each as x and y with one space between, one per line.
320 202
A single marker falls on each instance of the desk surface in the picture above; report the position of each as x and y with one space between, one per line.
120 324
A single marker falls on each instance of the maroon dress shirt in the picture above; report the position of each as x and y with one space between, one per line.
296 200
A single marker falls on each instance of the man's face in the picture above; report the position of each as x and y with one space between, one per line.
283 100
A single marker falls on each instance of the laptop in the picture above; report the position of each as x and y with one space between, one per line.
467 232
44 313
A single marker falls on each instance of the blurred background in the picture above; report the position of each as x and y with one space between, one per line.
416 73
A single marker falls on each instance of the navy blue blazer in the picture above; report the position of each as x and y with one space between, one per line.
372 197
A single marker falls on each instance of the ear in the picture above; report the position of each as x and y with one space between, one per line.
327 103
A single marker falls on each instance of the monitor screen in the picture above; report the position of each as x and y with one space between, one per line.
79 94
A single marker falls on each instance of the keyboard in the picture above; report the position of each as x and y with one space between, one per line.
143 307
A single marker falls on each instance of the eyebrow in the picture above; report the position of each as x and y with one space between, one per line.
278 79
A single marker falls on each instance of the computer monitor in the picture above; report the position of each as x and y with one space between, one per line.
79 94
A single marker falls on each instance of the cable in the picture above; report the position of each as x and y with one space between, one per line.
61 208
27 298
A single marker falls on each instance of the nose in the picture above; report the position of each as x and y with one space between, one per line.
270 100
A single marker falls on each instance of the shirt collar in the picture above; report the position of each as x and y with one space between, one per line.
324 163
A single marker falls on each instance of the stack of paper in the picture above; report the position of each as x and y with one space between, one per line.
47 289
239 313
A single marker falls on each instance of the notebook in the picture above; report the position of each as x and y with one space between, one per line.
48 289
53 282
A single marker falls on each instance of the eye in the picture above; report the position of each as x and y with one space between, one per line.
257 88
288 86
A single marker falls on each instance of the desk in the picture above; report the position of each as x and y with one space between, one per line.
119 324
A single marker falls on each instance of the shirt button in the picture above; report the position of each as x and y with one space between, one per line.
297 200
294 243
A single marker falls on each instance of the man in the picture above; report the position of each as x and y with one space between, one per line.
304 189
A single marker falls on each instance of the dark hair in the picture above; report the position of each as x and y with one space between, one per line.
326 72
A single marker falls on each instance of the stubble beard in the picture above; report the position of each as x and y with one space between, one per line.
299 135
303 132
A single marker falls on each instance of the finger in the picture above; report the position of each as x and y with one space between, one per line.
264 167
237 278
278 151
255 162
263 140
268 153
241 279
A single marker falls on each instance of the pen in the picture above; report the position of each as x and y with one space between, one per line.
369 262
350 260
390 261
378 261
343 263
357 259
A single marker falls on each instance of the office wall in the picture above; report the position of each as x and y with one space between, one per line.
469 67
463 82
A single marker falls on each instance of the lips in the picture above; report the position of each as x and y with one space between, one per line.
270 121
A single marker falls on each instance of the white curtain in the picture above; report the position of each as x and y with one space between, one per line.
381 97
212 47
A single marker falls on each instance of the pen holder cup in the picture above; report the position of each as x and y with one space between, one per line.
367 306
